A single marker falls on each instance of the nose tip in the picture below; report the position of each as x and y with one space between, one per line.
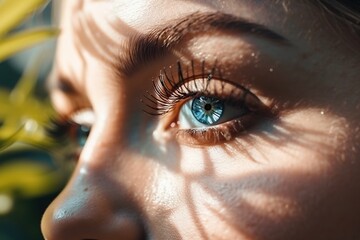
70 228
87 216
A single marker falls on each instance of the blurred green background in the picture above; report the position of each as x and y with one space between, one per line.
31 173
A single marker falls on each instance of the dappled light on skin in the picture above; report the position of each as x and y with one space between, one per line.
273 178
221 193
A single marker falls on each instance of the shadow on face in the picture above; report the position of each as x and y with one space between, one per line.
292 176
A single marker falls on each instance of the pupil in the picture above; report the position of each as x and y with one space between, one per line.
208 107
207 110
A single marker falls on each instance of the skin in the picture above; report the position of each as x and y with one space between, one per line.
293 176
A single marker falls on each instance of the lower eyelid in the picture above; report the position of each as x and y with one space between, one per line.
218 134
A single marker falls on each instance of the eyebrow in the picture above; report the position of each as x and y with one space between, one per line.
144 48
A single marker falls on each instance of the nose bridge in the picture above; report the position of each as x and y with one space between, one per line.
92 206
100 201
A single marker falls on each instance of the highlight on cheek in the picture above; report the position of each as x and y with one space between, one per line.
201 107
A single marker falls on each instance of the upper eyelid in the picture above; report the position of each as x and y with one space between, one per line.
63 88
206 75
66 87
58 82
169 91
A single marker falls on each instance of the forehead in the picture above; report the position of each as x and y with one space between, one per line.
106 25
145 14
96 32
297 20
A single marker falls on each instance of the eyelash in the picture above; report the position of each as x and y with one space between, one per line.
68 134
169 92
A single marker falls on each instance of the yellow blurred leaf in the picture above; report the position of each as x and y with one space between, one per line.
24 117
20 41
30 179
8 140
12 12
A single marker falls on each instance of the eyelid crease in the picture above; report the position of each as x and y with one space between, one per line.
62 84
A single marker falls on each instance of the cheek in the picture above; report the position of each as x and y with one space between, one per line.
264 203
305 141
259 200
271 185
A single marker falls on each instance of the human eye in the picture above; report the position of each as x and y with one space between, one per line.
201 107
72 132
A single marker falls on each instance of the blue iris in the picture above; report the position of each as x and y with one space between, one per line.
82 134
207 110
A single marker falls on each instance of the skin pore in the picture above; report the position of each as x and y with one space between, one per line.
283 163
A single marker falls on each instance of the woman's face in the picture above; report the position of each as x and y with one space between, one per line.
213 120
